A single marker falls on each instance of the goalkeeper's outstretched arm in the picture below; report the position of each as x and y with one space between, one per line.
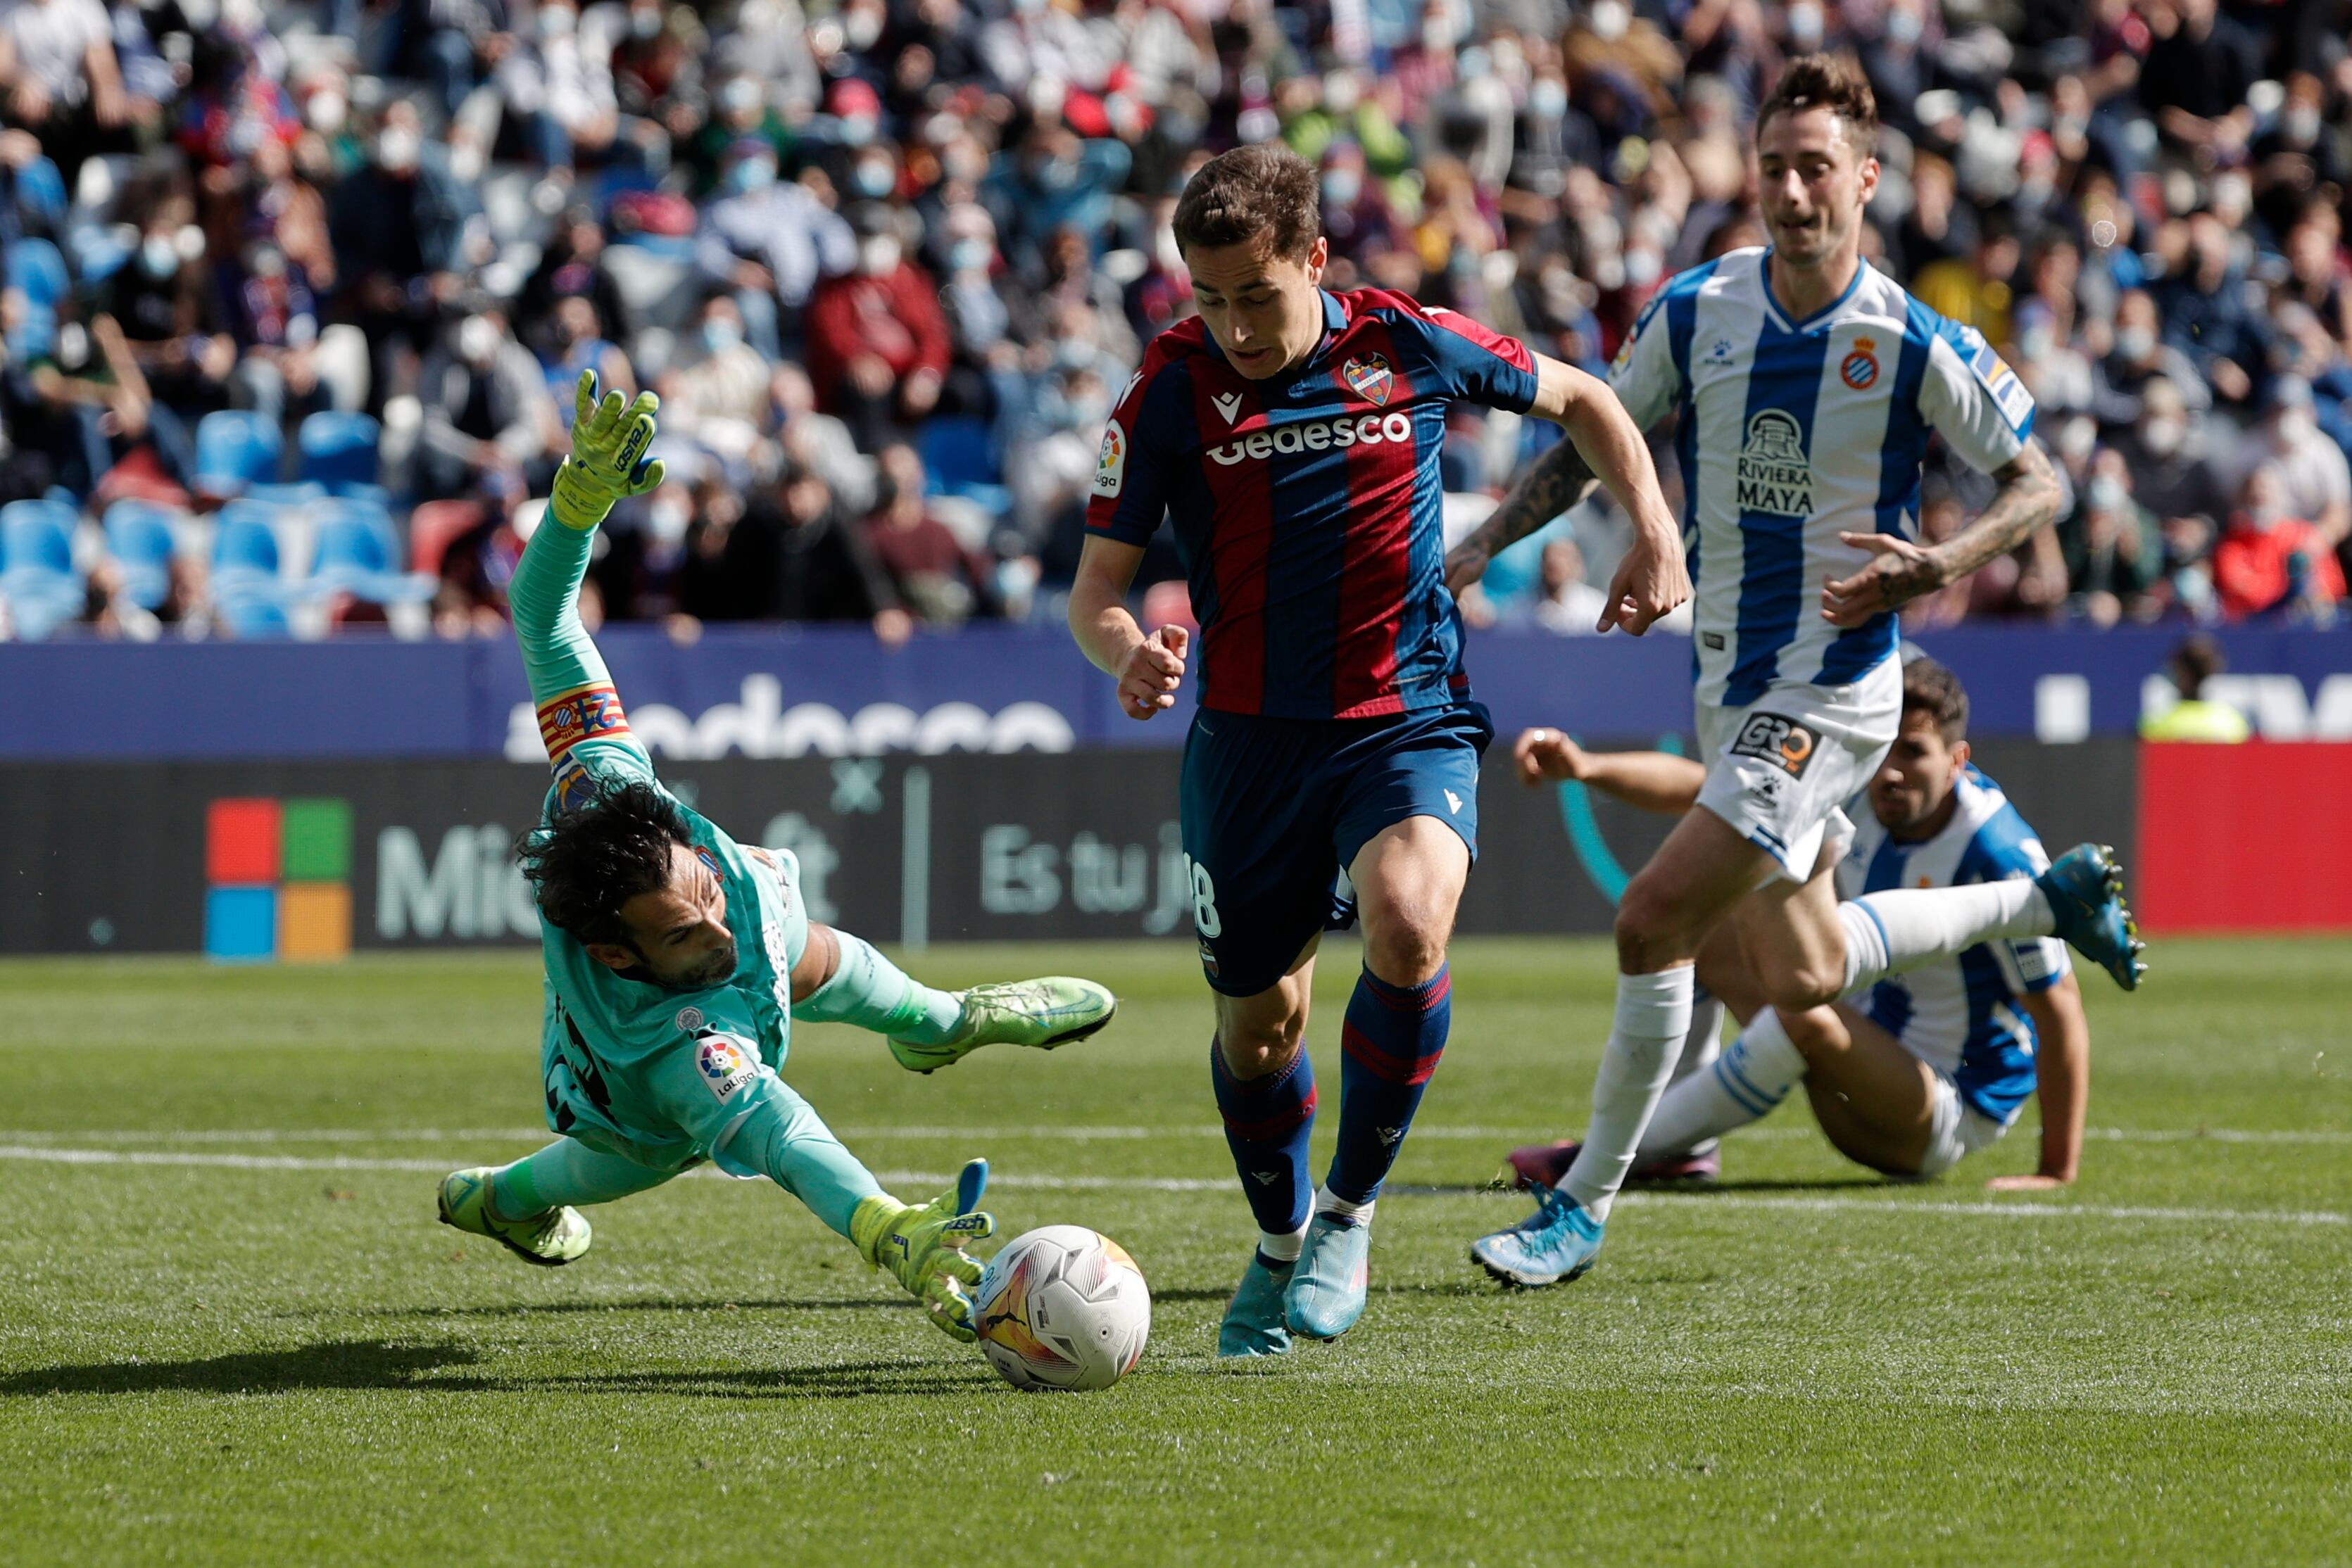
570 685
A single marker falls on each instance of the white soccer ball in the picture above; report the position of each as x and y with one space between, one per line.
1061 1307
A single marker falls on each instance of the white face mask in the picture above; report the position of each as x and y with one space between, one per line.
2163 437
1547 99
2301 125
478 342
1805 26
2296 427
2135 343
645 22
1340 93
1610 19
878 256
398 149
159 258
667 518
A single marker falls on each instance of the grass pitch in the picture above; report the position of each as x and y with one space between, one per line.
231 1333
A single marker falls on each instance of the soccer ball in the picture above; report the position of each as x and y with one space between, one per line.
1061 1307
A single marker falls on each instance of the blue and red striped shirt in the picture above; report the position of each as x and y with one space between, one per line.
1308 508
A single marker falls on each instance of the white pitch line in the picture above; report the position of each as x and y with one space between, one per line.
1201 1184
1079 1133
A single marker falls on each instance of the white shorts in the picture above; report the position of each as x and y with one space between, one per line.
1780 769
1957 1131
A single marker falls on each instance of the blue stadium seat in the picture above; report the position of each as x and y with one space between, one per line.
961 460
38 269
236 448
37 567
248 585
141 538
246 540
254 615
359 554
339 450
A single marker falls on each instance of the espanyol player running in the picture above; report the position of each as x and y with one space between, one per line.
1808 384
1924 1068
677 959
1293 434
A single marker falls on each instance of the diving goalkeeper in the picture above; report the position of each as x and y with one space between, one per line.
677 959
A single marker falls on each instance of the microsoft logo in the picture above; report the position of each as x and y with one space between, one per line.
278 877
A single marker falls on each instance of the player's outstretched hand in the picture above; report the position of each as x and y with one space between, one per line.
1546 755
1147 681
1901 572
1651 581
608 457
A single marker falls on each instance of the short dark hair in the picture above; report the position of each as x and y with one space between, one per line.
1238 195
2198 660
1930 688
596 856
1831 82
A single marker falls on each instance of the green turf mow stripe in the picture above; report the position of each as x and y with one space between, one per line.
1189 1183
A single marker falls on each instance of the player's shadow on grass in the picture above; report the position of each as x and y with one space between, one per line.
370 1364
1858 1178
650 1304
353 1364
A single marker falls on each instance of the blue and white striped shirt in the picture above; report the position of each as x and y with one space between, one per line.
1962 1017
1793 433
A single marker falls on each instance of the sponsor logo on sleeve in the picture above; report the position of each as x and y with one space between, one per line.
1110 468
727 1063
591 713
1779 740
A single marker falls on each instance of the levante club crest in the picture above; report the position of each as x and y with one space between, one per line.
1371 376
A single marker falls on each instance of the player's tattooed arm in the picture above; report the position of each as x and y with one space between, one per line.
2027 501
1554 481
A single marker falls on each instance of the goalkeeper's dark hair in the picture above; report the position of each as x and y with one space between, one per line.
1930 688
596 857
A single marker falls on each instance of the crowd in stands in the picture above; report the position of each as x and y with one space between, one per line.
297 294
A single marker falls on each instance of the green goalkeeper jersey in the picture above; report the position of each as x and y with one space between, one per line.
659 1076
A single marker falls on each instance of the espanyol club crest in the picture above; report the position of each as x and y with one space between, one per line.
1371 376
1858 370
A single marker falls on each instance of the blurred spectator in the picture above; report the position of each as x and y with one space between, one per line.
770 241
1564 601
2110 546
932 572
2273 562
488 420
878 341
790 555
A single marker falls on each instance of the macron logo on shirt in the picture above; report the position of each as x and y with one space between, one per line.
1229 405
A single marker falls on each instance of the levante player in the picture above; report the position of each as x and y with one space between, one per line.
677 959
1293 436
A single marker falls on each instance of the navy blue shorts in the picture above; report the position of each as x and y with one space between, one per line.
1274 808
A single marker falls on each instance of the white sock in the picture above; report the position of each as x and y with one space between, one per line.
1653 1015
1888 933
1283 1247
1339 1207
1701 1048
1751 1077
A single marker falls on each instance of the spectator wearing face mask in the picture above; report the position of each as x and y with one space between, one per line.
2109 544
563 92
716 391
2271 562
2137 355
397 226
770 243
2314 480
878 341
487 414
741 111
792 556
1055 180
2172 475
273 319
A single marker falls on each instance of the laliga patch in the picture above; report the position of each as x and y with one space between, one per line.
591 713
1371 376
727 1063
1110 468
1783 742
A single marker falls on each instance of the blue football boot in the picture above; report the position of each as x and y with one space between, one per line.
1326 1285
1557 1242
2085 890
1254 1322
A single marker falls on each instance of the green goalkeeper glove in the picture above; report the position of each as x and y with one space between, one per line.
923 1247
606 464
